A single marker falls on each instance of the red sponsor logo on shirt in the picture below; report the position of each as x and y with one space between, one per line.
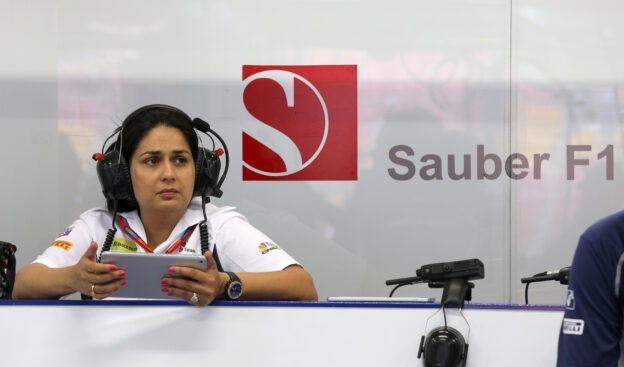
303 125
65 245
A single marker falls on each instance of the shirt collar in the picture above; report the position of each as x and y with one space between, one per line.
193 215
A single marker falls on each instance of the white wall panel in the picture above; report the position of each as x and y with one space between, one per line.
567 91
444 78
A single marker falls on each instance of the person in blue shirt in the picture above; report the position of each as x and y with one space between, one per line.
592 329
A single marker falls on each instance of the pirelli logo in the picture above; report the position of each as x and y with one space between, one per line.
63 244
573 326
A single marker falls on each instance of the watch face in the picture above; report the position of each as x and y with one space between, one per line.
235 290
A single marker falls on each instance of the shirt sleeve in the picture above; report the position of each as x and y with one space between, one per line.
67 249
242 247
591 329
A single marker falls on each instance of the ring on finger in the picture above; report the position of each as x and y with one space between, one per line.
194 298
92 290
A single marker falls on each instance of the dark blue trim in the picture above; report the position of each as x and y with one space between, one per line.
215 256
496 306
384 304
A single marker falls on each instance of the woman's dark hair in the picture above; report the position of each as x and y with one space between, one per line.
137 125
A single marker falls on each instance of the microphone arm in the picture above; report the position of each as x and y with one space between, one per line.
404 281
562 275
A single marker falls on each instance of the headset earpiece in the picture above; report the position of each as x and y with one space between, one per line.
114 176
207 169
443 347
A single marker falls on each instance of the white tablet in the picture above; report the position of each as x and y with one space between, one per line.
144 271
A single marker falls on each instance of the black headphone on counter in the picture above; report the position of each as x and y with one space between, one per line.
444 346
114 174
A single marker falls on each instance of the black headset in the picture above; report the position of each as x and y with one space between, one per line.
7 269
114 174
443 347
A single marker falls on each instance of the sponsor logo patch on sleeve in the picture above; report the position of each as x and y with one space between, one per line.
570 300
265 247
573 326
65 245
66 231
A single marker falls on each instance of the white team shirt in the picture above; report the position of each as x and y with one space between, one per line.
240 246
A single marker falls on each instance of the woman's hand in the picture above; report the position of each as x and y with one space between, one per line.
95 279
195 286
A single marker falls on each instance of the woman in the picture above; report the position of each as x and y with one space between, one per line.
160 146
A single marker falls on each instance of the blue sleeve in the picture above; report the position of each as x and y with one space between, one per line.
592 326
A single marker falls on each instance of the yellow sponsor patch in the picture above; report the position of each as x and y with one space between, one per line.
121 244
63 244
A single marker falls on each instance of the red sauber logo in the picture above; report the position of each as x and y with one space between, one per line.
303 123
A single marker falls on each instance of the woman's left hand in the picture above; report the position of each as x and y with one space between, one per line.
195 286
